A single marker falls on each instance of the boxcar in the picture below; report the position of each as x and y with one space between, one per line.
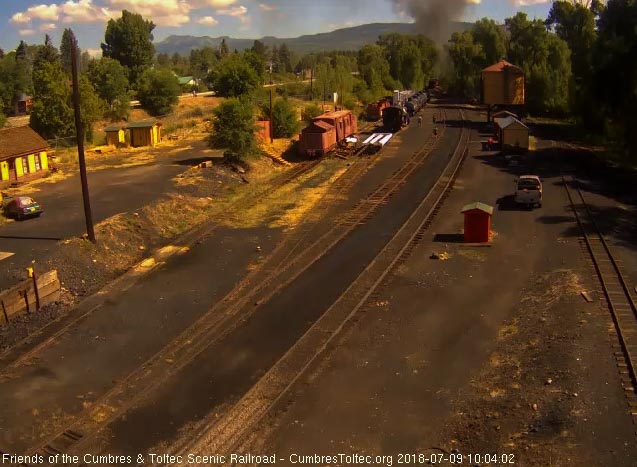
326 131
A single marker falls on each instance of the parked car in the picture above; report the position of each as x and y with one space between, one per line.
22 207
529 191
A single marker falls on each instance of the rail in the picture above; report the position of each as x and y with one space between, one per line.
234 309
616 291
233 431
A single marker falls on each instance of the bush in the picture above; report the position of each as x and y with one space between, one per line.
158 91
349 103
194 113
311 111
233 128
285 118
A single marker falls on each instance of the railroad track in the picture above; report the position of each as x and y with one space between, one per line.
7 364
260 285
236 429
618 295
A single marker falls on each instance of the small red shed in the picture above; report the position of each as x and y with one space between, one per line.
477 222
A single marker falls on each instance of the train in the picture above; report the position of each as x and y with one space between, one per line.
374 111
403 108
326 132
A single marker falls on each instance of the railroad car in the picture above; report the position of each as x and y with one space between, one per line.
400 97
375 109
394 118
327 131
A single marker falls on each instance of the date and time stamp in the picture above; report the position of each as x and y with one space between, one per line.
336 459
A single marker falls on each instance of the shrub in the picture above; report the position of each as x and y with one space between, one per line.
311 111
233 128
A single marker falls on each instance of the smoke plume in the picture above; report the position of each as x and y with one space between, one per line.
434 17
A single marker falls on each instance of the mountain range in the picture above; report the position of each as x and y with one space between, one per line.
352 38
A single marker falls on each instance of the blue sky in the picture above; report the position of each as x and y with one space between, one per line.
30 20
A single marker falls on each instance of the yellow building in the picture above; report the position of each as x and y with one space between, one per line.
513 134
23 155
144 133
115 135
503 84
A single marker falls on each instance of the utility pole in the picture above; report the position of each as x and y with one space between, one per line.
79 129
312 84
271 121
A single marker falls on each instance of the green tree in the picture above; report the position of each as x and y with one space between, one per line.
411 58
158 91
285 119
468 59
15 79
234 77
546 60
260 49
574 22
51 114
91 106
311 111
129 40
615 74
492 38
374 69
45 54
285 59
233 125
3 119
256 62
224 50
202 62
110 80
66 50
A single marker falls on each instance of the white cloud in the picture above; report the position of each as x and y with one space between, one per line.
26 32
43 12
528 2
84 11
234 11
94 52
161 12
267 7
208 20
48 27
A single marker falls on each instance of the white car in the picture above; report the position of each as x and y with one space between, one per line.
528 191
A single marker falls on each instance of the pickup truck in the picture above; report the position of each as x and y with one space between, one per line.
528 191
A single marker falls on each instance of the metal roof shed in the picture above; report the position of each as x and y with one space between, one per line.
477 222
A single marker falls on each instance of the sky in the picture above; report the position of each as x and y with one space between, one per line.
30 20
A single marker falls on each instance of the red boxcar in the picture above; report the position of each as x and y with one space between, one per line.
375 109
317 139
326 131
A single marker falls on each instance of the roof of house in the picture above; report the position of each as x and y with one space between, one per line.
479 207
146 124
321 124
23 97
19 141
508 121
501 65
185 79
334 114
113 128
504 113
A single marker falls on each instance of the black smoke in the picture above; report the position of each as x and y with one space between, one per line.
433 17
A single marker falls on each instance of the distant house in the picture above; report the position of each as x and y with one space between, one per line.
23 155
23 104
513 134
188 83
146 133
115 135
